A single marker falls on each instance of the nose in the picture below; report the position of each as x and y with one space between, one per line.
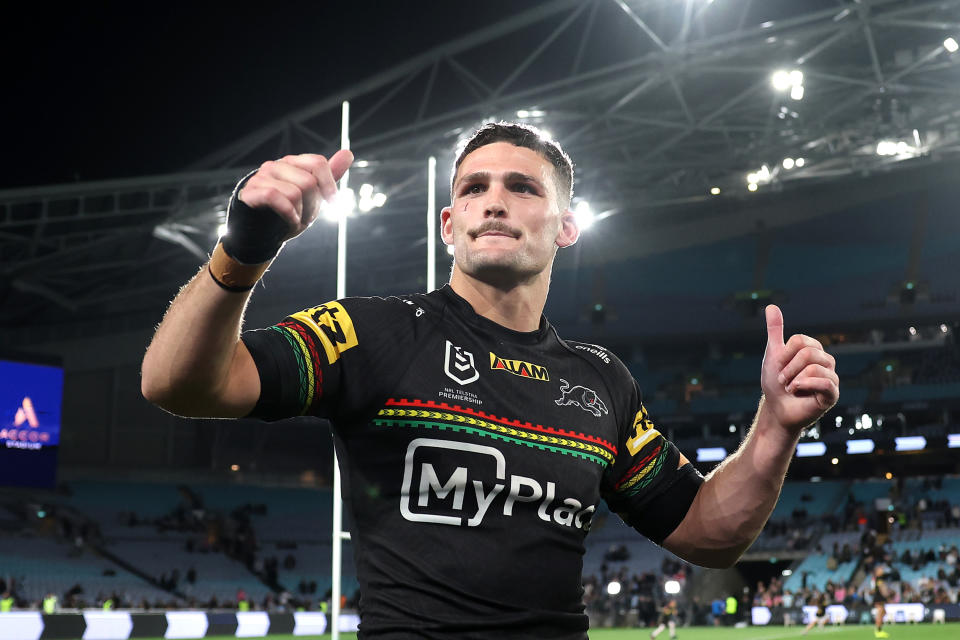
495 205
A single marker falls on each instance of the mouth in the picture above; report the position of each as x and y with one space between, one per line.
494 230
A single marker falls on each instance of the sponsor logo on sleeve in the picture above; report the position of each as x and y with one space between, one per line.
582 397
459 365
520 368
333 326
595 350
643 431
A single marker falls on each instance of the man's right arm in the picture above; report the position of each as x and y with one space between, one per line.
196 364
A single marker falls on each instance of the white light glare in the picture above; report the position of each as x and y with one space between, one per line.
951 45
866 421
531 113
343 205
855 447
752 186
789 163
672 587
781 80
944 328
796 92
800 162
584 215
894 148
811 449
786 573
715 191
222 231
711 454
613 588
369 199
910 443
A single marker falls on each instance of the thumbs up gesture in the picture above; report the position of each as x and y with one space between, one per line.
798 377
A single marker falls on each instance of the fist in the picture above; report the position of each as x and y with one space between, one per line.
293 187
798 377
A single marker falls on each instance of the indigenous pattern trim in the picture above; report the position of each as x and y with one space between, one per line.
439 415
304 349
643 472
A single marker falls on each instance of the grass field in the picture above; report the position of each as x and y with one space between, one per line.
849 632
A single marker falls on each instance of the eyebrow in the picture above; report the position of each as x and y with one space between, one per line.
510 176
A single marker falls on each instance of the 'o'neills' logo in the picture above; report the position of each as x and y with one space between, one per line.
520 368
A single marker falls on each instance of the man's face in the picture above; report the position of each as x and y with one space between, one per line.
505 221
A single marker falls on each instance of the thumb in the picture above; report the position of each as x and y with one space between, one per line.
340 162
774 326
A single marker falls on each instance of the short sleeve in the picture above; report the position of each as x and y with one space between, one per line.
646 485
300 361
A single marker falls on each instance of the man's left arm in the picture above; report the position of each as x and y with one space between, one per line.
799 384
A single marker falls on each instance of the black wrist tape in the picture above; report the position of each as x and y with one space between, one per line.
253 236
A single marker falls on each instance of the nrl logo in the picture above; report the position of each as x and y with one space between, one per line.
459 366
582 397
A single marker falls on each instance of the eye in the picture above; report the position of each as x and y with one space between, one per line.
474 189
524 187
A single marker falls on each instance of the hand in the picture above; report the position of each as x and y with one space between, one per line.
294 187
798 378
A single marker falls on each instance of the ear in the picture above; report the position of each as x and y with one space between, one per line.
446 225
569 231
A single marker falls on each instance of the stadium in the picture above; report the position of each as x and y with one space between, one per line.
729 155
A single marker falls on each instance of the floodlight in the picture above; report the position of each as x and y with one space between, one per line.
584 215
866 420
752 186
672 587
835 461
800 162
796 77
379 199
796 92
781 80
788 163
360 164
733 428
950 45
366 190
613 588
753 178
715 191
523 113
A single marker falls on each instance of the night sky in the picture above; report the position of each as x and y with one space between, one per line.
114 90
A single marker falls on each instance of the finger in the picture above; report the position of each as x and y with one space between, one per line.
774 326
806 356
340 162
319 168
826 391
273 197
795 345
812 371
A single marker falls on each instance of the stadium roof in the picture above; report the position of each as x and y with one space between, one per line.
657 101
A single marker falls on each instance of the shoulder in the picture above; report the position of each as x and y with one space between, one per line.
599 357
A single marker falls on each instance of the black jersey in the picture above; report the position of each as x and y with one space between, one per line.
473 458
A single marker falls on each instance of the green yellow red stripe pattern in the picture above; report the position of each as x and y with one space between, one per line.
439 415
643 472
305 351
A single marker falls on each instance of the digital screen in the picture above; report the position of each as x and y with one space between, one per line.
30 399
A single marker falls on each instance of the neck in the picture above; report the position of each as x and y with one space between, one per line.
517 306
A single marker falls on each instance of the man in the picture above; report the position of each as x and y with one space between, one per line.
667 620
820 615
475 443
879 596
